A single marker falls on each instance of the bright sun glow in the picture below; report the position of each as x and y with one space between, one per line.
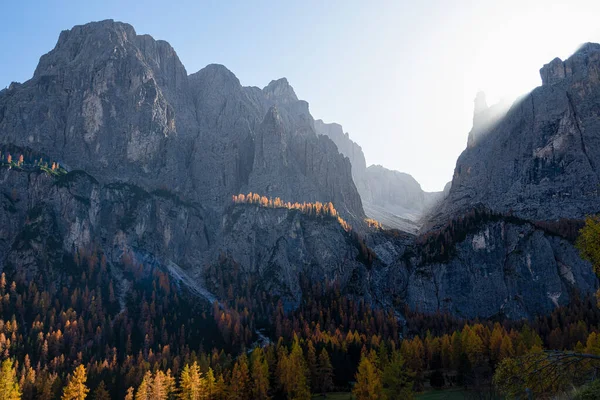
451 53
508 62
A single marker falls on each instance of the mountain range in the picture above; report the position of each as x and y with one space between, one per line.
125 152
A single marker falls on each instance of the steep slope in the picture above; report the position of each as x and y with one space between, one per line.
540 161
44 216
519 269
497 266
346 146
398 192
122 107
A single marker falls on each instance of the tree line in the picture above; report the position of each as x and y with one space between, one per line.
314 209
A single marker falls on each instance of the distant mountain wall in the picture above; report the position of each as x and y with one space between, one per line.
394 198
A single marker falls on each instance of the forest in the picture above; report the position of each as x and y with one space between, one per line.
82 333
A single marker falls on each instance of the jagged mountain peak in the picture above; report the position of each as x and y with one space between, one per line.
87 43
216 78
121 106
583 63
280 91
218 71
106 50
98 27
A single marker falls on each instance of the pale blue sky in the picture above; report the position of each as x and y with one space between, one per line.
400 76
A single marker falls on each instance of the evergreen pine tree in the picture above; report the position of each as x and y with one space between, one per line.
324 373
101 393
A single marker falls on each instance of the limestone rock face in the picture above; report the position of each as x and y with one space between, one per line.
47 217
514 270
540 161
44 217
122 107
553 72
102 100
346 146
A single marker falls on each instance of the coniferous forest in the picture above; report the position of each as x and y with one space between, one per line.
68 334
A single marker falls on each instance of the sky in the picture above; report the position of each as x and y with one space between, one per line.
399 76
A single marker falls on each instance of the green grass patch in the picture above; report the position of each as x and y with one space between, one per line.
335 396
447 394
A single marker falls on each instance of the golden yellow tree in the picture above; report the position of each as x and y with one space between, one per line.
144 390
260 375
190 383
368 380
162 385
9 387
76 388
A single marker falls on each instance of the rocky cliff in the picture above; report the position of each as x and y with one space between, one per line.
515 268
122 107
539 161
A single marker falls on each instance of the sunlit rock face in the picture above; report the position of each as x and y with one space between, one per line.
541 159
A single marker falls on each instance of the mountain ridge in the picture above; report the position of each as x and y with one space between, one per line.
161 193
538 160
141 111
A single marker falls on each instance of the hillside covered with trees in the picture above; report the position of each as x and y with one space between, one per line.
74 338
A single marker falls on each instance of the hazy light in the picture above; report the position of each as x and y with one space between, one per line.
417 120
